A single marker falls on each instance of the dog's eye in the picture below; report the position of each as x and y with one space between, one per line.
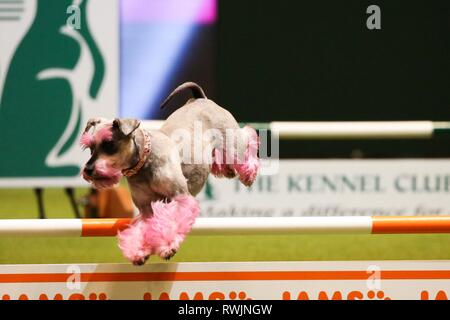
109 147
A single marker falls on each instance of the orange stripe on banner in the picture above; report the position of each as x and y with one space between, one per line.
103 227
228 276
411 224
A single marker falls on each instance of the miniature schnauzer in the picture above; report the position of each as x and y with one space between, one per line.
166 168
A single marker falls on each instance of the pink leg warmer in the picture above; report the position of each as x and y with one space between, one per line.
249 168
161 233
170 224
132 242
219 167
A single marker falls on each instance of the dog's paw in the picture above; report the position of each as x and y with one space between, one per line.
167 251
132 243
167 254
139 261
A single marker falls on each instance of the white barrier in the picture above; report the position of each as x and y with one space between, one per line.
337 280
345 129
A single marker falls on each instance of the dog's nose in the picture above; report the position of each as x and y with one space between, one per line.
88 170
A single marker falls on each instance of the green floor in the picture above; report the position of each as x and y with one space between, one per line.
20 203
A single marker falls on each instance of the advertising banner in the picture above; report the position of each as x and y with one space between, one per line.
327 280
58 67
336 188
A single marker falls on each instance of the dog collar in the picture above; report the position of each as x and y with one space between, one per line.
143 157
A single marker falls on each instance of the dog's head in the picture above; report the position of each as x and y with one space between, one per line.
113 149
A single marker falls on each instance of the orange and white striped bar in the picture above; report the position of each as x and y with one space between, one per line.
235 226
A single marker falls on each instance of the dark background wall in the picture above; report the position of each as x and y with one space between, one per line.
316 60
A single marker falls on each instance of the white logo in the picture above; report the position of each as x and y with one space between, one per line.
374 20
374 280
74 279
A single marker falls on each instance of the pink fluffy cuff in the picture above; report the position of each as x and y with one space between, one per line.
163 232
170 224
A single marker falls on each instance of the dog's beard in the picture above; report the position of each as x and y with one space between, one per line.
105 176
105 182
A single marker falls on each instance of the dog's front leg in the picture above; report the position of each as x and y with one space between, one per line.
172 217
170 223
132 241
162 227
161 233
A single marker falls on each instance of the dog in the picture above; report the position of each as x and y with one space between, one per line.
167 168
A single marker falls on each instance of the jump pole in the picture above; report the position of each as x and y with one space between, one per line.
236 226
287 130
323 280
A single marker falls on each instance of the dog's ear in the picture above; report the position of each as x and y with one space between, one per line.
91 123
126 126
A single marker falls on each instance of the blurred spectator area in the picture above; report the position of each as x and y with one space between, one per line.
165 43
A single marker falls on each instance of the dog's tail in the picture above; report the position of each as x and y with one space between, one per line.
196 90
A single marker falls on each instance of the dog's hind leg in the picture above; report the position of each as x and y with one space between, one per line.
247 161
219 167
